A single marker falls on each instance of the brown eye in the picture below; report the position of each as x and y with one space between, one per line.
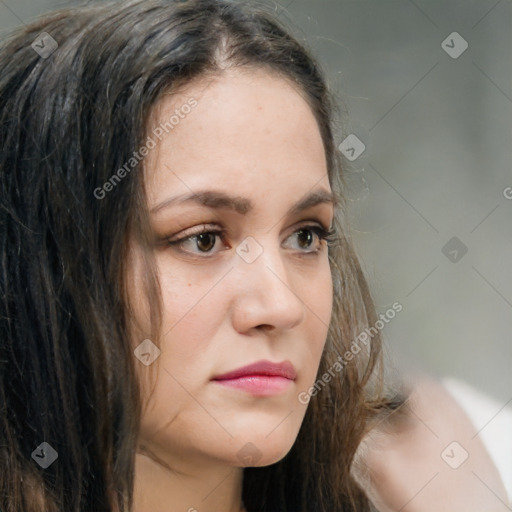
199 243
205 241
305 238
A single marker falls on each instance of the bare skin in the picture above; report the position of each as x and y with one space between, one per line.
411 464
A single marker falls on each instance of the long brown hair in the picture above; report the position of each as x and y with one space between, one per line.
76 92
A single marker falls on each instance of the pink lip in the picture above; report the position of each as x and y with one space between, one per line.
261 378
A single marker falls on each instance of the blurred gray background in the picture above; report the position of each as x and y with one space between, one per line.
435 118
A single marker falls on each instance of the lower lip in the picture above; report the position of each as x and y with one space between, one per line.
262 385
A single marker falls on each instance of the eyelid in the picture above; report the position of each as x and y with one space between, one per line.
209 227
197 230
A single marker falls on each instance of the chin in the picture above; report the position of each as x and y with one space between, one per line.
261 451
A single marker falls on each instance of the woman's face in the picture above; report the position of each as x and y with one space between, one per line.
251 152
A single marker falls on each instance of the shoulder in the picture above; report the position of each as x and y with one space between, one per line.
492 421
429 455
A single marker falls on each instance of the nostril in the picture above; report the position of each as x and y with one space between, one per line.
266 327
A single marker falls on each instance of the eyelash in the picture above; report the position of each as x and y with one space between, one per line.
330 236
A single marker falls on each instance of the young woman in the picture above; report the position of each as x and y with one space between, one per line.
180 295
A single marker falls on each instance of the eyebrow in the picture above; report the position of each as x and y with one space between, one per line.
218 200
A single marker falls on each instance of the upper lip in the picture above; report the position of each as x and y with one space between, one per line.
284 369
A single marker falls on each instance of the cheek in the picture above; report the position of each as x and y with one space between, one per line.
190 315
183 368
318 299
189 319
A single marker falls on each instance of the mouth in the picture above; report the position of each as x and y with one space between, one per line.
261 385
263 378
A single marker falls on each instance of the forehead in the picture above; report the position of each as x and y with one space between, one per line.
250 129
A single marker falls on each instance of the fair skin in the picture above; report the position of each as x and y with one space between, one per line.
406 470
252 134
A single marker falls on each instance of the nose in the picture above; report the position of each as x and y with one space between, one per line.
265 297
